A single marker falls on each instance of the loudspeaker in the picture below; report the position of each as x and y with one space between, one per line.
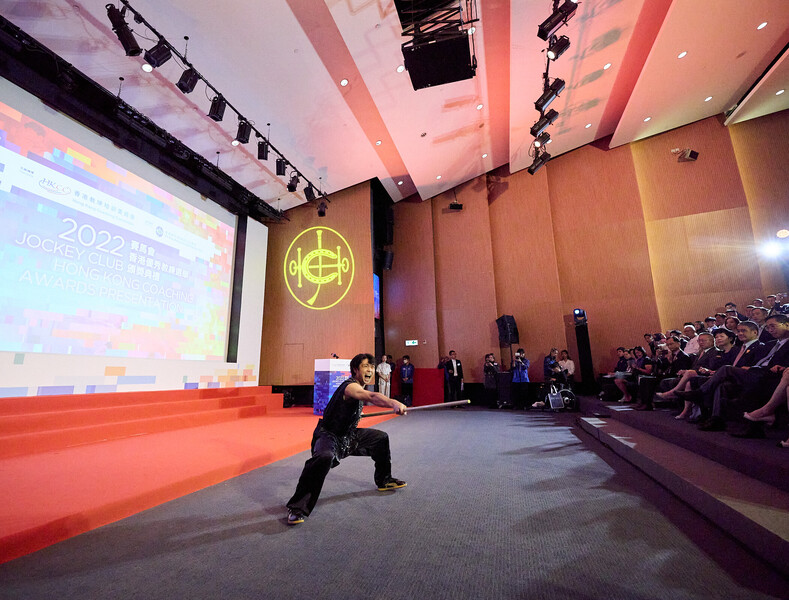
440 62
388 257
508 330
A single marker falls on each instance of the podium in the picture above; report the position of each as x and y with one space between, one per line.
329 375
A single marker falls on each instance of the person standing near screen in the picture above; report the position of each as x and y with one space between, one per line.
336 436
384 371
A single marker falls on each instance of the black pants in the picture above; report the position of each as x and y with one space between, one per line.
407 392
454 388
327 452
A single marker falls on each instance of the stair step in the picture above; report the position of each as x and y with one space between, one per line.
45 441
753 512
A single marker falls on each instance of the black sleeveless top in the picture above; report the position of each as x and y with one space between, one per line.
342 415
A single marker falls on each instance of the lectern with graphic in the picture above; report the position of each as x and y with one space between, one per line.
329 375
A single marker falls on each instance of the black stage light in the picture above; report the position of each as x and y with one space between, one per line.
309 193
542 139
560 16
293 183
538 163
218 105
242 135
559 47
579 316
262 150
188 80
687 155
282 165
549 95
543 122
121 29
156 56
322 208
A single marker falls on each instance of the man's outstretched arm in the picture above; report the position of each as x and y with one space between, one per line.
357 392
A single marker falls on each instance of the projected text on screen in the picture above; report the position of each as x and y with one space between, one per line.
94 260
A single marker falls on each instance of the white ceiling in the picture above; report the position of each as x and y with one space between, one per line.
281 62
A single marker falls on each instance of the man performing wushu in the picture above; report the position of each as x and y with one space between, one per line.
336 436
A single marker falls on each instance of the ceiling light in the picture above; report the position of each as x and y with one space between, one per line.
438 177
549 95
543 122
377 142
281 166
779 92
322 208
471 30
156 56
607 66
682 54
400 182
218 105
343 82
559 17
485 155
542 139
262 150
708 98
647 119
479 106
559 47
242 135
188 81
771 249
293 183
762 25
309 193
587 126
400 68
782 233
538 163
121 29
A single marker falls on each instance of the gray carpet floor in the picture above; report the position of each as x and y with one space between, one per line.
499 504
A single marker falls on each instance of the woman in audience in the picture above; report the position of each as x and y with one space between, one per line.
567 365
766 414
638 364
622 377
731 323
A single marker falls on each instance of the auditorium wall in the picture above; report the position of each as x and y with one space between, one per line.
297 327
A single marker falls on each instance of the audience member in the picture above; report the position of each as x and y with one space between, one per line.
567 365
491 372
520 379
454 372
551 370
759 316
407 380
709 323
766 413
692 347
731 306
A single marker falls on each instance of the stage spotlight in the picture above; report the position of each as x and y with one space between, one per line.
549 95
156 56
282 165
121 29
309 193
558 47
579 316
263 150
538 163
218 105
293 183
559 17
772 249
242 135
188 81
322 208
542 139
543 122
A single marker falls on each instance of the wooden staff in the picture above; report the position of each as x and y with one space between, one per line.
414 408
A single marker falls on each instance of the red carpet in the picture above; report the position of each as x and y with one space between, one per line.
71 482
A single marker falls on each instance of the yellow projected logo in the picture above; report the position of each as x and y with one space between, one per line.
317 267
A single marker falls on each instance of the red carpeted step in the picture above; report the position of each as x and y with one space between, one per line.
44 441
28 404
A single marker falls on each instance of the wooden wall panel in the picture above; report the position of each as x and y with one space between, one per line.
761 147
465 287
409 289
673 189
601 248
347 328
700 237
524 259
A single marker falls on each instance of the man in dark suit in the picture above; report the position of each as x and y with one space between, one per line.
454 371
759 316
739 384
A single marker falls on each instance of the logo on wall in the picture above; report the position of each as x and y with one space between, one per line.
319 268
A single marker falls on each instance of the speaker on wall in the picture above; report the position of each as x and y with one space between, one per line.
388 258
508 330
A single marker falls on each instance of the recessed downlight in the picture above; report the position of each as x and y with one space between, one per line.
779 92
587 126
762 25
682 54
343 82
377 142
485 155
479 106
647 119
400 68
400 182
606 66
438 177
708 98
